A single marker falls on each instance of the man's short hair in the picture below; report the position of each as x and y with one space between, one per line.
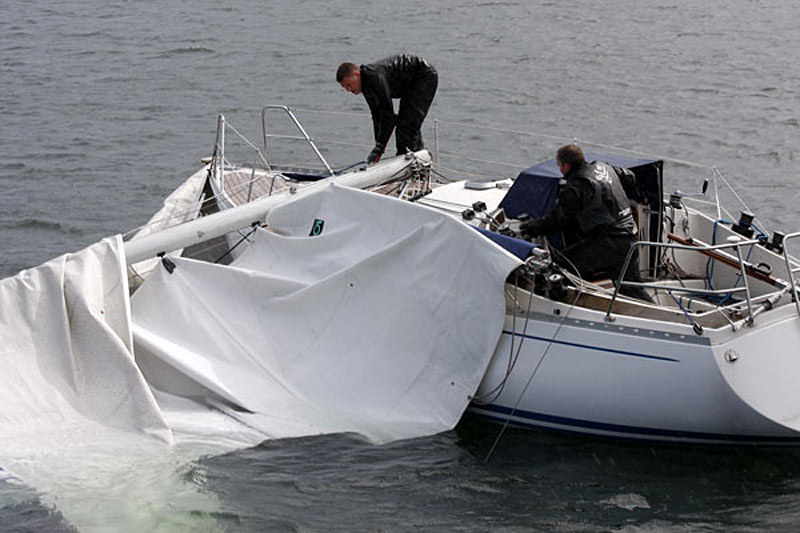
344 70
571 154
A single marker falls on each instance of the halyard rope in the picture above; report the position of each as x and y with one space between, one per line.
536 368
495 392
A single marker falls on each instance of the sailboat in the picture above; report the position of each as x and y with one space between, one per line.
389 299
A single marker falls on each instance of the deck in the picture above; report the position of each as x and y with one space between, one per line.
246 185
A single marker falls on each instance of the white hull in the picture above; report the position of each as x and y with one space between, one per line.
640 381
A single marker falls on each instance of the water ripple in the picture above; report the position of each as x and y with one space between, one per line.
190 50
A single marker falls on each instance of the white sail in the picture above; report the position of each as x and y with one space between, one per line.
356 312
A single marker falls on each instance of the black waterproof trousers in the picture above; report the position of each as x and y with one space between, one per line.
603 256
412 112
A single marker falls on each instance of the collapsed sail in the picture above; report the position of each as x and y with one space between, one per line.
350 312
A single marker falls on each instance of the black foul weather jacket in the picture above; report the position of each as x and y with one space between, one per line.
593 205
591 201
409 78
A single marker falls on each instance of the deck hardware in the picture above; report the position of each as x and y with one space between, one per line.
479 207
776 245
168 264
745 225
731 356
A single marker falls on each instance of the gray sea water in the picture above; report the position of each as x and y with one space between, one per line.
106 106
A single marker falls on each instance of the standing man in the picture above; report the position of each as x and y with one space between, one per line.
593 204
409 78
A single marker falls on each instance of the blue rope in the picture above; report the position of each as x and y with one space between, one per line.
680 306
761 234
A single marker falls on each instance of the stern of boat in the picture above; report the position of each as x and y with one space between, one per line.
762 367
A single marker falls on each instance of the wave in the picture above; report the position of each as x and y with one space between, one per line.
43 224
191 50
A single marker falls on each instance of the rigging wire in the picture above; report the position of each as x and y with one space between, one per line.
719 174
251 145
574 302
494 393
498 129
182 214
716 172
561 138
240 241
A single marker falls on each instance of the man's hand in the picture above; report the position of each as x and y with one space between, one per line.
375 155
529 229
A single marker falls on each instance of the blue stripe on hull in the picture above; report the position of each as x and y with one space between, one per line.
530 419
592 347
